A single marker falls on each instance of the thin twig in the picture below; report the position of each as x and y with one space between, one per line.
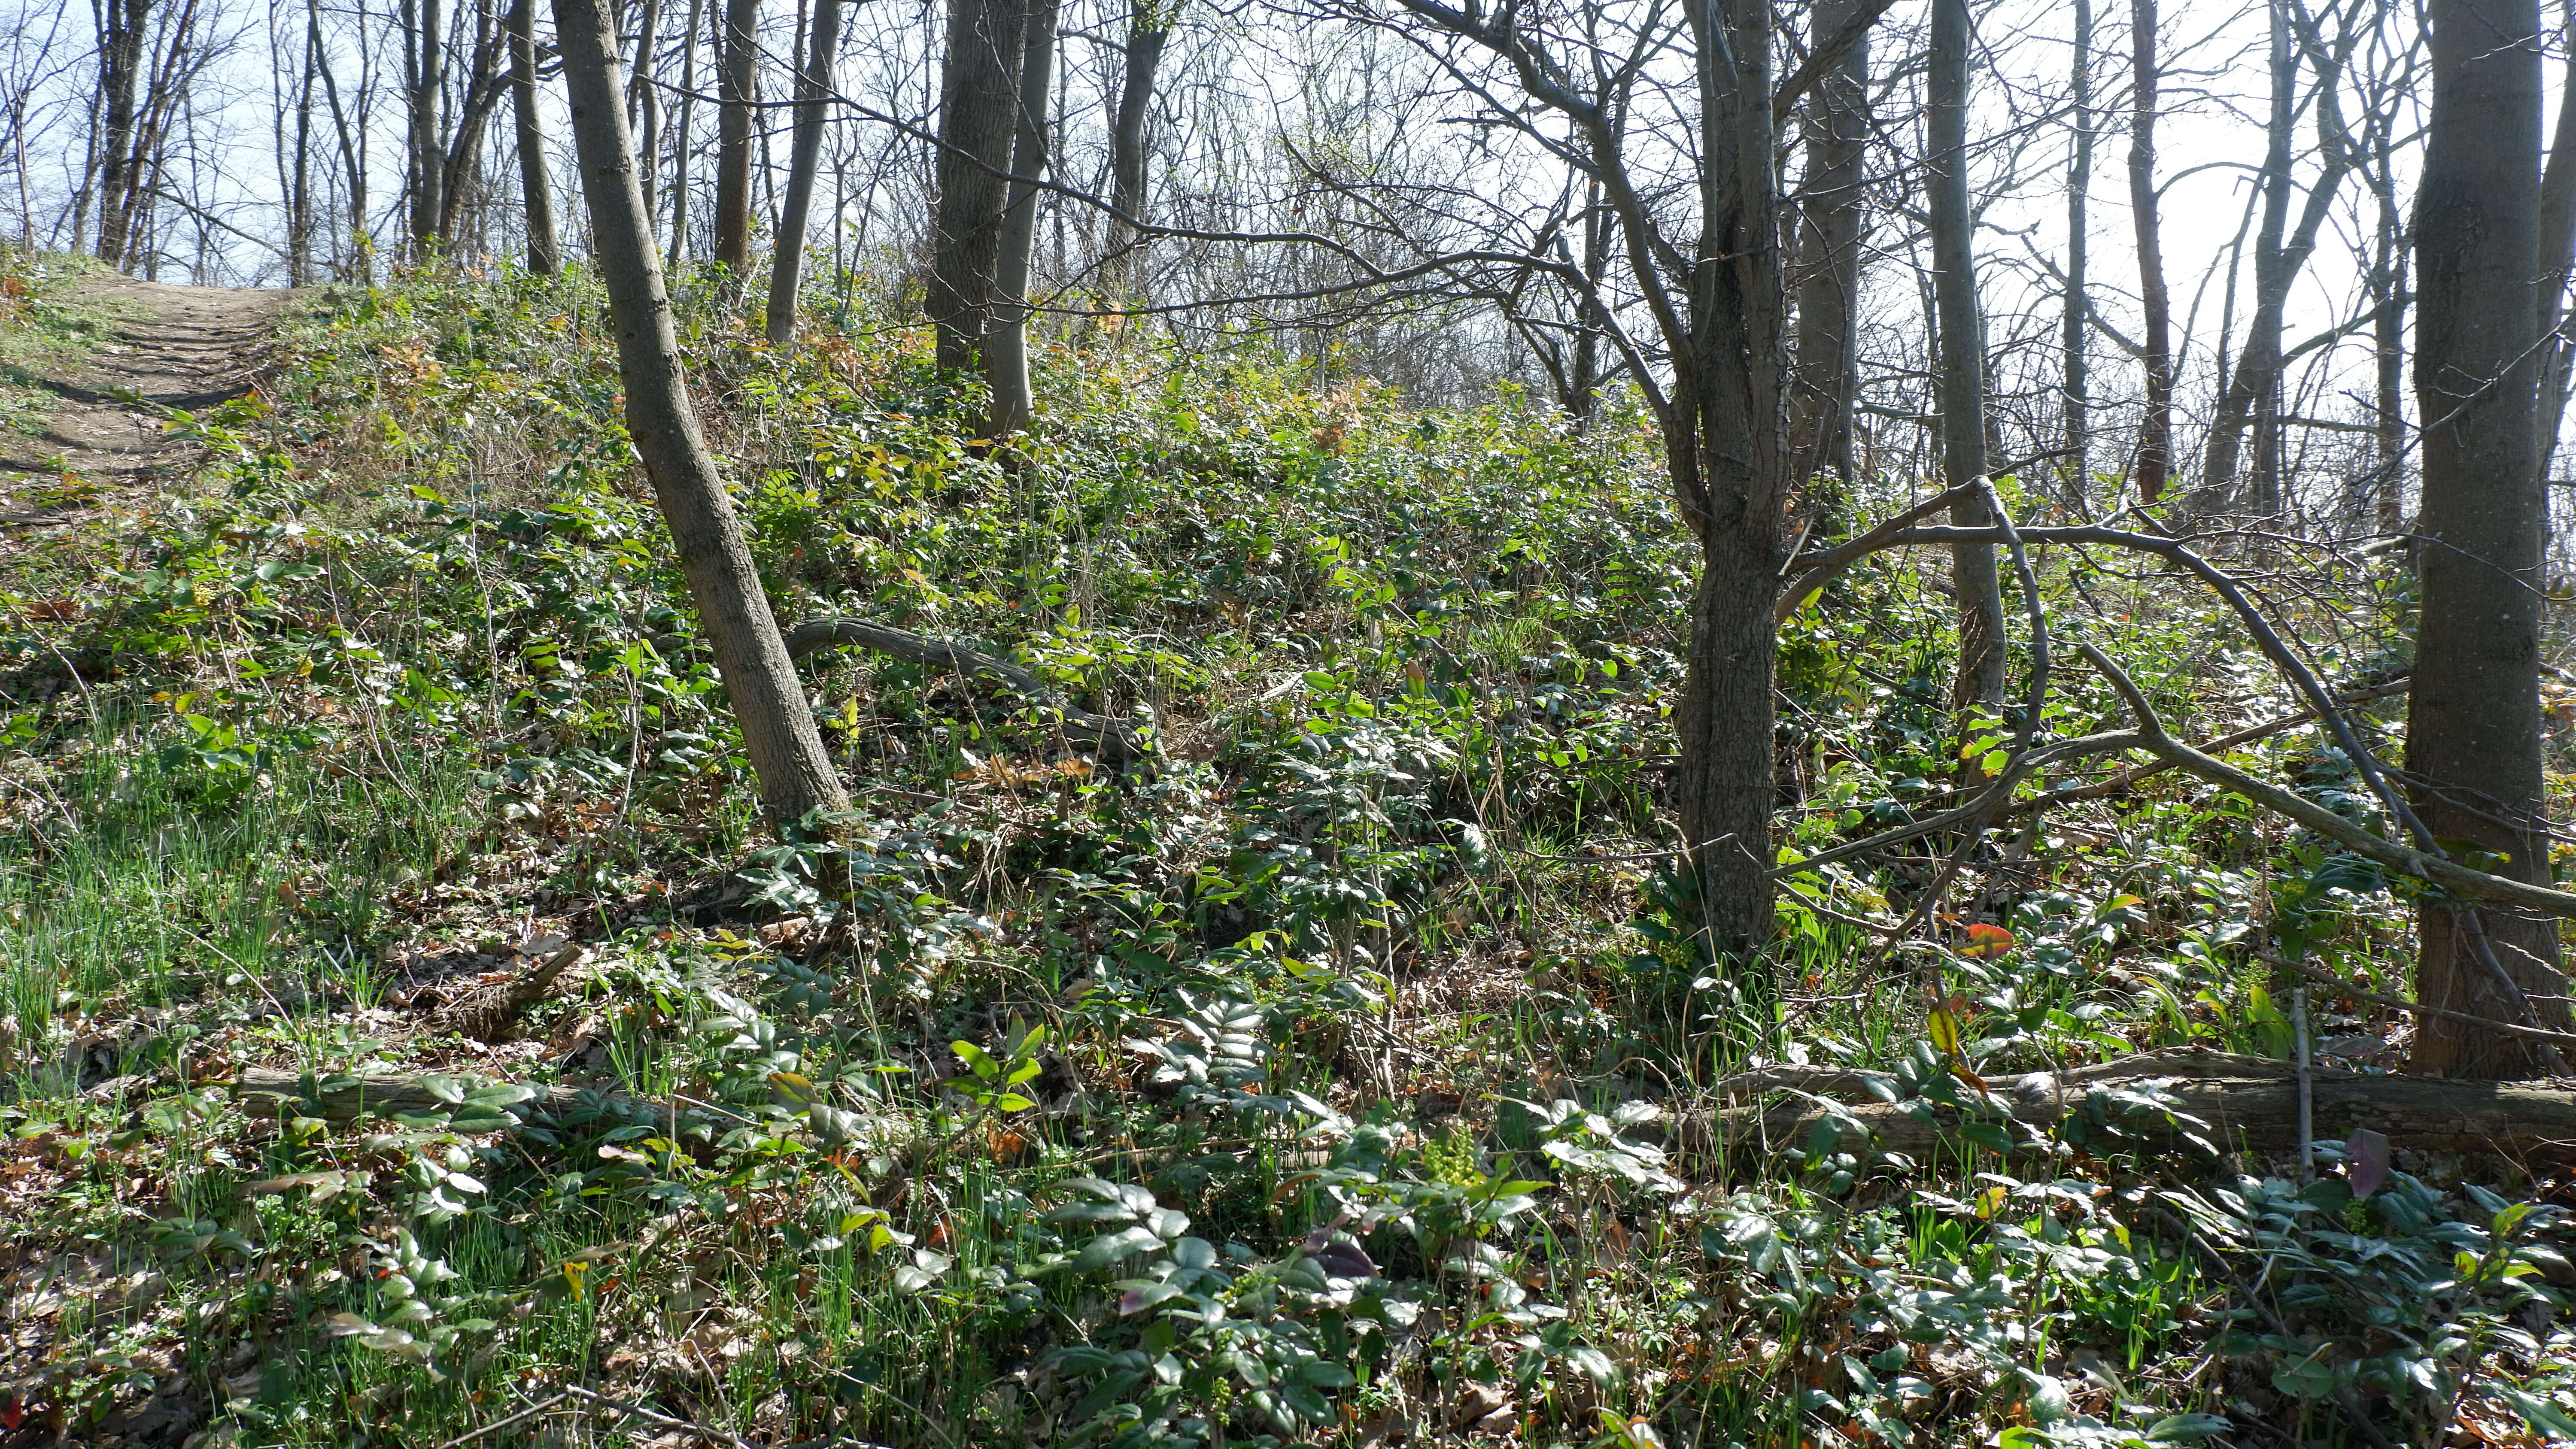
497 1425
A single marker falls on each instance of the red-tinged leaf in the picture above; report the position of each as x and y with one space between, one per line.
1987 940
2369 1152
13 1413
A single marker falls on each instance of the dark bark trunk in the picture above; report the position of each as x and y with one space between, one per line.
120 69
1006 341
1147 32
545 257
1837 128
461 161
428 156
737 76
787 264
2473 732
978 120
2155 429
647 106
2557 261
1963 354
778 731
1726 443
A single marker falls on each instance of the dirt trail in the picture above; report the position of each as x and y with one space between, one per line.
179 347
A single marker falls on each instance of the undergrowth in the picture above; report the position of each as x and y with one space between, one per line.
1345 1074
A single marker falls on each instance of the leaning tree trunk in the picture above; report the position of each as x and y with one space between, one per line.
978 120
1006 340
1727 449
1963 356
736 75
778 732
1837 128
544 256
2473 725
2155 429
787 261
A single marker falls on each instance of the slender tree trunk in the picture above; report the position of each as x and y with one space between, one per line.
683 130
1727 446
647 105
1963 354
1837 129
978 121
738 75
1006 340
787 263
545 258
778 730
1149 28
2473 743
461 161
2074 336
2155 429
350 160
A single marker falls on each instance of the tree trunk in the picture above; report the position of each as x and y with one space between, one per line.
2473 732
682 130
2557 262
787 263
545 258
1147 32
647 105
737 77
2073 333
428 154
2155 429
461 161
1006 341
786 750
1837 128
978 120
1727 449
121 29
1963 355
350 160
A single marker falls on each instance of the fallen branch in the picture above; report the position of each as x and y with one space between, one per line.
1115 741
2250 1102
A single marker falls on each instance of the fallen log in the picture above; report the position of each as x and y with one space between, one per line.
354 1098
1116 743
2248 1103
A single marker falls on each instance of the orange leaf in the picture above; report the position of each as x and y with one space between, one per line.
1987 941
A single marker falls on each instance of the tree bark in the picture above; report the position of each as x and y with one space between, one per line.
1149 29
350 159
1006 340
1836 134
2473 732
978 121
1979 588
737 77
778 732
428 156
545 257
682 128
2557 263
121 28
2155 428
1726 444
2075 304
787 261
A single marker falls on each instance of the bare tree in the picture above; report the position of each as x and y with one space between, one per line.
787 264
536 196
2473 744
1006 337
2155 429
738 74
978 124
1961 335
1831 234
778 731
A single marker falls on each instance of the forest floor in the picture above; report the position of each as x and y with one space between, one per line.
94 427
409 1035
